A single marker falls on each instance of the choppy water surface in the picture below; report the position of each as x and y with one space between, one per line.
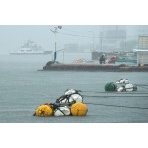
23 88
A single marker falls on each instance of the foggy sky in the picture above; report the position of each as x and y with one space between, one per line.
13 36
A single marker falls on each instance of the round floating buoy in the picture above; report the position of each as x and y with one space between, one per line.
62 111
70 91
122 81
70 99
129 87
121 89
78 109
110 86
44 110
76 98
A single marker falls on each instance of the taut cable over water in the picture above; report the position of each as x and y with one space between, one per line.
105 96
117 105
145 86
110 92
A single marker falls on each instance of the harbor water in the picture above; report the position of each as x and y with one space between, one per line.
23 88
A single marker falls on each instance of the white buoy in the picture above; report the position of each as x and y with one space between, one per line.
75 98
120 89
129 87
70 91
62 111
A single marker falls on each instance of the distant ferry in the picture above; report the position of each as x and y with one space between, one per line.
31 48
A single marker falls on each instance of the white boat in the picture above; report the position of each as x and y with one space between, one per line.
31 48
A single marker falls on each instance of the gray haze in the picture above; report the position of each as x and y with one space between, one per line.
13 36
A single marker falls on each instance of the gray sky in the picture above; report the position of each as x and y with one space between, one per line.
63 12
13 36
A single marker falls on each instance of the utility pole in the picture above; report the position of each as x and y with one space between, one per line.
93 40
101 41
55 32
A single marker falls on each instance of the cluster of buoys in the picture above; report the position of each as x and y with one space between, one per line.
71 103
122 85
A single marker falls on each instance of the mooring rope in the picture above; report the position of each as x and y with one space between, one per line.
105 96
114 92
117 105
142 84
144 87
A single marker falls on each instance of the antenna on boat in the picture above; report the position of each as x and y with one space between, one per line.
55 32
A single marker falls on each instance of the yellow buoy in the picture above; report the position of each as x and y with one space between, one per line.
44 110
78 109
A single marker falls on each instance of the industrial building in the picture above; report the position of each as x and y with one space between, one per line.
142 51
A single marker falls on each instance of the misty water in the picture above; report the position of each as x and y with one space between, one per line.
23 88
